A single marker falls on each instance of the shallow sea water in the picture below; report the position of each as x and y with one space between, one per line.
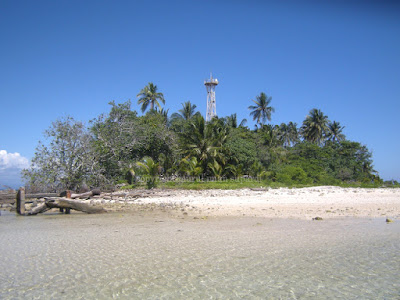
151 256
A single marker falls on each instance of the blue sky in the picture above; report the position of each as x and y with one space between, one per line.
61 58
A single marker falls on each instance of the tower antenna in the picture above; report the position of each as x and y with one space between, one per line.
211 103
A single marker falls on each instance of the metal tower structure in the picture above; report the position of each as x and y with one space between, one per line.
211 103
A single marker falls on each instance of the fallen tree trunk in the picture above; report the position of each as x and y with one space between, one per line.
38 209
86 195
7 197
41 195
64 203
73 204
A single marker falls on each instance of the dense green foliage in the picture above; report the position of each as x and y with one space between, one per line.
122 146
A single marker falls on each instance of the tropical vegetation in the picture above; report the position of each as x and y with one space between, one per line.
122 146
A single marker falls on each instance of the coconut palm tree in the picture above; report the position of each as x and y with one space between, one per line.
186 112
205 141
218 131
217 169
162 112
288 134
149 96
270 135
150 169
335 132
315 126
283 134
236 170
197 143
232 121
191 167
262 110
257 170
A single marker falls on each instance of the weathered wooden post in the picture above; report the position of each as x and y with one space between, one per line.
68 210
21 201
65 194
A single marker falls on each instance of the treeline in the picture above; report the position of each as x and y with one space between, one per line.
121 145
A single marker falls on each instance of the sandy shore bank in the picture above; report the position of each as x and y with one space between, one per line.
300 203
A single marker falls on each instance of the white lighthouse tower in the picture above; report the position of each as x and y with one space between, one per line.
211 103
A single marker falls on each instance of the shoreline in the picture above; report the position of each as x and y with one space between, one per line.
298 203
325 202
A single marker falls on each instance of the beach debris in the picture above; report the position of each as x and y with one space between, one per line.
260 189
7 196
67 204
51 200
317 219
389 220
86 195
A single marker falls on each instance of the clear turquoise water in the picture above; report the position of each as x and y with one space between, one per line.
129 256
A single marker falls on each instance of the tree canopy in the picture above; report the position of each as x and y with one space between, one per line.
121 145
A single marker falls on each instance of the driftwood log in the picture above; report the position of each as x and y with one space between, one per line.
41 195
86 195
41 208
64 203
7 197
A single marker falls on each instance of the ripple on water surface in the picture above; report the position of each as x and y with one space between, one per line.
129 256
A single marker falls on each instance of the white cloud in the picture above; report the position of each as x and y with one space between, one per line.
11 165
12 160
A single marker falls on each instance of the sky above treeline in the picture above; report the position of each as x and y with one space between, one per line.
60 58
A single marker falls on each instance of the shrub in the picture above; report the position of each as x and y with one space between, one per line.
291 175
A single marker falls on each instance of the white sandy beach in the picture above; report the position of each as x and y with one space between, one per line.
300 203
